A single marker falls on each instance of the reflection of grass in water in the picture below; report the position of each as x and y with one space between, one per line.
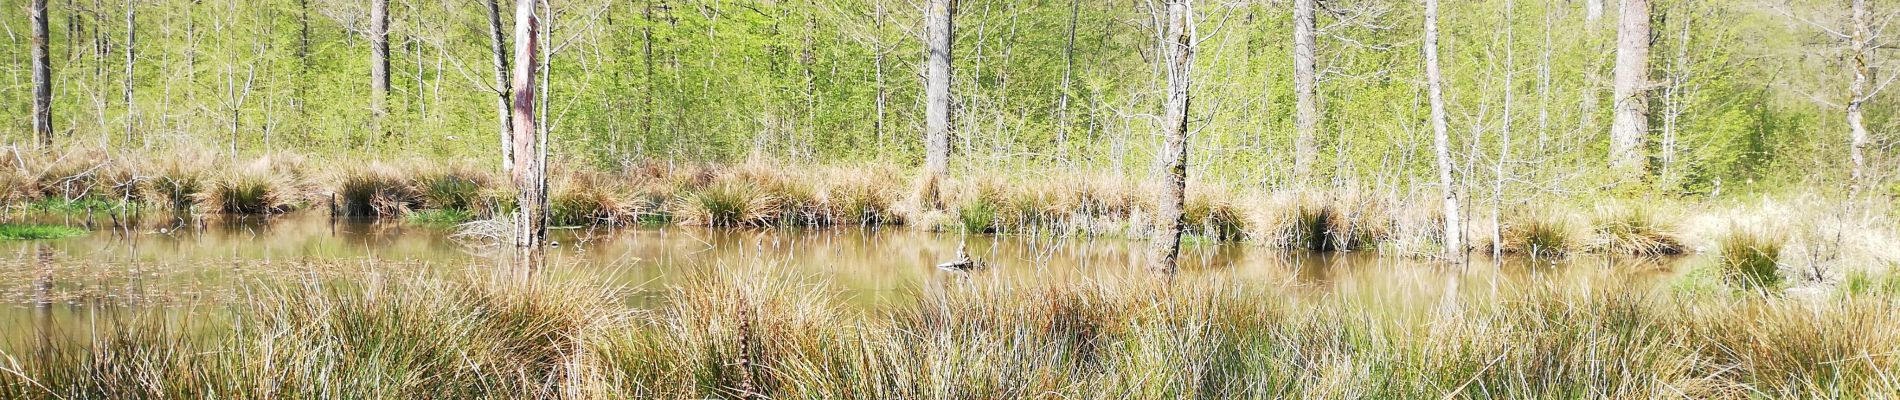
37 232
768 333
440 217
81 205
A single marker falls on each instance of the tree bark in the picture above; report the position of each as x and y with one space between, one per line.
1592 12
379 61
1062 94
939 37
131 37
1305 81
1178 43
42 75
1631 122
498 44
528 174
1441 141
1857 146
1504 132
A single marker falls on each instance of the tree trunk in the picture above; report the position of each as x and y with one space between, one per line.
1631 123
1673 103
939 34
529 173
498 44
1592 12
1543 88
646 48
42 75
1504 131
379 62
1305 108
131 37
1179 60
1062 94
877 24
1857 147
1441 141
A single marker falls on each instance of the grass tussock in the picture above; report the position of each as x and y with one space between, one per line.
1322 221
762 332
1213 214
375 191
248 193
1538 234
864 196
594 199
455 189
1751 258
1636 230
727 204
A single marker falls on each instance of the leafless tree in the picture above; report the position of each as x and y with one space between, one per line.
529 172
1441 141
1305 108
1177 41
42 75
379 61
939 37
498 45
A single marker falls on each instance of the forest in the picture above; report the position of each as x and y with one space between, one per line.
595 199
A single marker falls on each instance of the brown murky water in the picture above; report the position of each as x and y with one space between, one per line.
186 267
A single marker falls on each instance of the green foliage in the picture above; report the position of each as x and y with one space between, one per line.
833 81
13 231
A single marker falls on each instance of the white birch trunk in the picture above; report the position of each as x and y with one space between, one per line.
1441 141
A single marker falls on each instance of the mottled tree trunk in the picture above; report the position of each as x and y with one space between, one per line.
1441 140
379 61
1631 122
498 44
1178 48
938 35
528 174
42 75
1305 81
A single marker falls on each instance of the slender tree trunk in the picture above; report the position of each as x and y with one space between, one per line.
379 62
1179 60
1857 147
1062 94
646 48
939 35
528 173
1543 86
1441 141
1632 83
1673 102
1504 131
1305 81
877 24
42 75
131 37
498 45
